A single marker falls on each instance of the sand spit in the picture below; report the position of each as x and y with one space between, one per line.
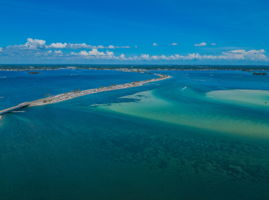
78 93
75 94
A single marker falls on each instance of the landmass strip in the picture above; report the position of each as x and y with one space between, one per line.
74 94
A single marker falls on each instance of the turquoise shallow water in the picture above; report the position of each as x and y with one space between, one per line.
162 144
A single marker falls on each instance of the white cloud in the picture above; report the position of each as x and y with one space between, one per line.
253 55
111 47
122 57
60 45
34 43
38 48
116 47
30 44
79 46
145 56
59 52
155 44
54 53
94 53
174 44
39 44
202 44
57 45
241 54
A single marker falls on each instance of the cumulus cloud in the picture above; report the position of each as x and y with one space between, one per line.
155 44
242 54
145 56
117 47
34 43
94 53
60 45
59 52
253 55
174 44
39 44
81 46
57 45
202 44
54 53
40 49
30 43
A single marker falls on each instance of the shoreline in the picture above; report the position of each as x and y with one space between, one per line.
141 69
75 94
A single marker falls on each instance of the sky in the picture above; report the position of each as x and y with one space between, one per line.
134 32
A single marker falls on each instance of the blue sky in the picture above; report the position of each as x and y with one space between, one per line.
140 31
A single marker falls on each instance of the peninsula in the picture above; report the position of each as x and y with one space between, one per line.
74 94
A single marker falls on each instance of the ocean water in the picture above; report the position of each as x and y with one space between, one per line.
198 135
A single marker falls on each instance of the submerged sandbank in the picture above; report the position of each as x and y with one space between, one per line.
241 97
155 105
